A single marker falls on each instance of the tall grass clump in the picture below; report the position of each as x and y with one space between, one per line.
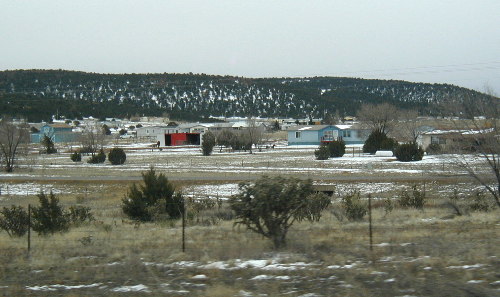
414 199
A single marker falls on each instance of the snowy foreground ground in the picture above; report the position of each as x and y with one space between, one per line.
415 253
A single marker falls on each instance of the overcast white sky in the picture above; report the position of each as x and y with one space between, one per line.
440 41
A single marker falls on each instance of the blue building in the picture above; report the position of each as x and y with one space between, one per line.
57 132
317 134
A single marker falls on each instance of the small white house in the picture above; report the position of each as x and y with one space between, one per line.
317 134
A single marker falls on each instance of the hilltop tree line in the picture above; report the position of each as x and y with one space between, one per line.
39 94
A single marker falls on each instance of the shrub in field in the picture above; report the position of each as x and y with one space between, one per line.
433 149
117 156
354 209
271 205
479 203
49 217
156 195
336 148
80 214
408 152
388 206
322 153
14 220
48 145
415 199
208 143
76 157
86 150
378 140
99 158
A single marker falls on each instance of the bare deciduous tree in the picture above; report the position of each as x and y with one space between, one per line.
12 139
381 117
92 138
253 133
479 137
408 128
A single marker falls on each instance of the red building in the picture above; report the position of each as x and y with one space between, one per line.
175 139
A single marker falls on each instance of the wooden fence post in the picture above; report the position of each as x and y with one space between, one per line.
184 228
29 228
370 220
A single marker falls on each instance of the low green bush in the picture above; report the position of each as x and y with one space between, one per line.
378 140
322 153
76 157
14 221
336 148
408 152
117 156
354 209
98 158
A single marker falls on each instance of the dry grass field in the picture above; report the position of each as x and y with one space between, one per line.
425 252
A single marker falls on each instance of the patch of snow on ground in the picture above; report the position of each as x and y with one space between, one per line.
136 288
347 266
213 191
267 277
475 281
16 189
466 266
378 273
61 287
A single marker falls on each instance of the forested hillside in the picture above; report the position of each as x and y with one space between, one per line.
39 94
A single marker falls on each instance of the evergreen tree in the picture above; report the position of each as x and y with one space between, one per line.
48 145
378 140
49 217
117 156
271 206
76 157
14 220
322 153
409 152
208 143
106 130
336 148
276 126
141 203
99 158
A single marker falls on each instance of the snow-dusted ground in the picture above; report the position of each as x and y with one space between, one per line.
188 161
193 277
282 160
34 188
